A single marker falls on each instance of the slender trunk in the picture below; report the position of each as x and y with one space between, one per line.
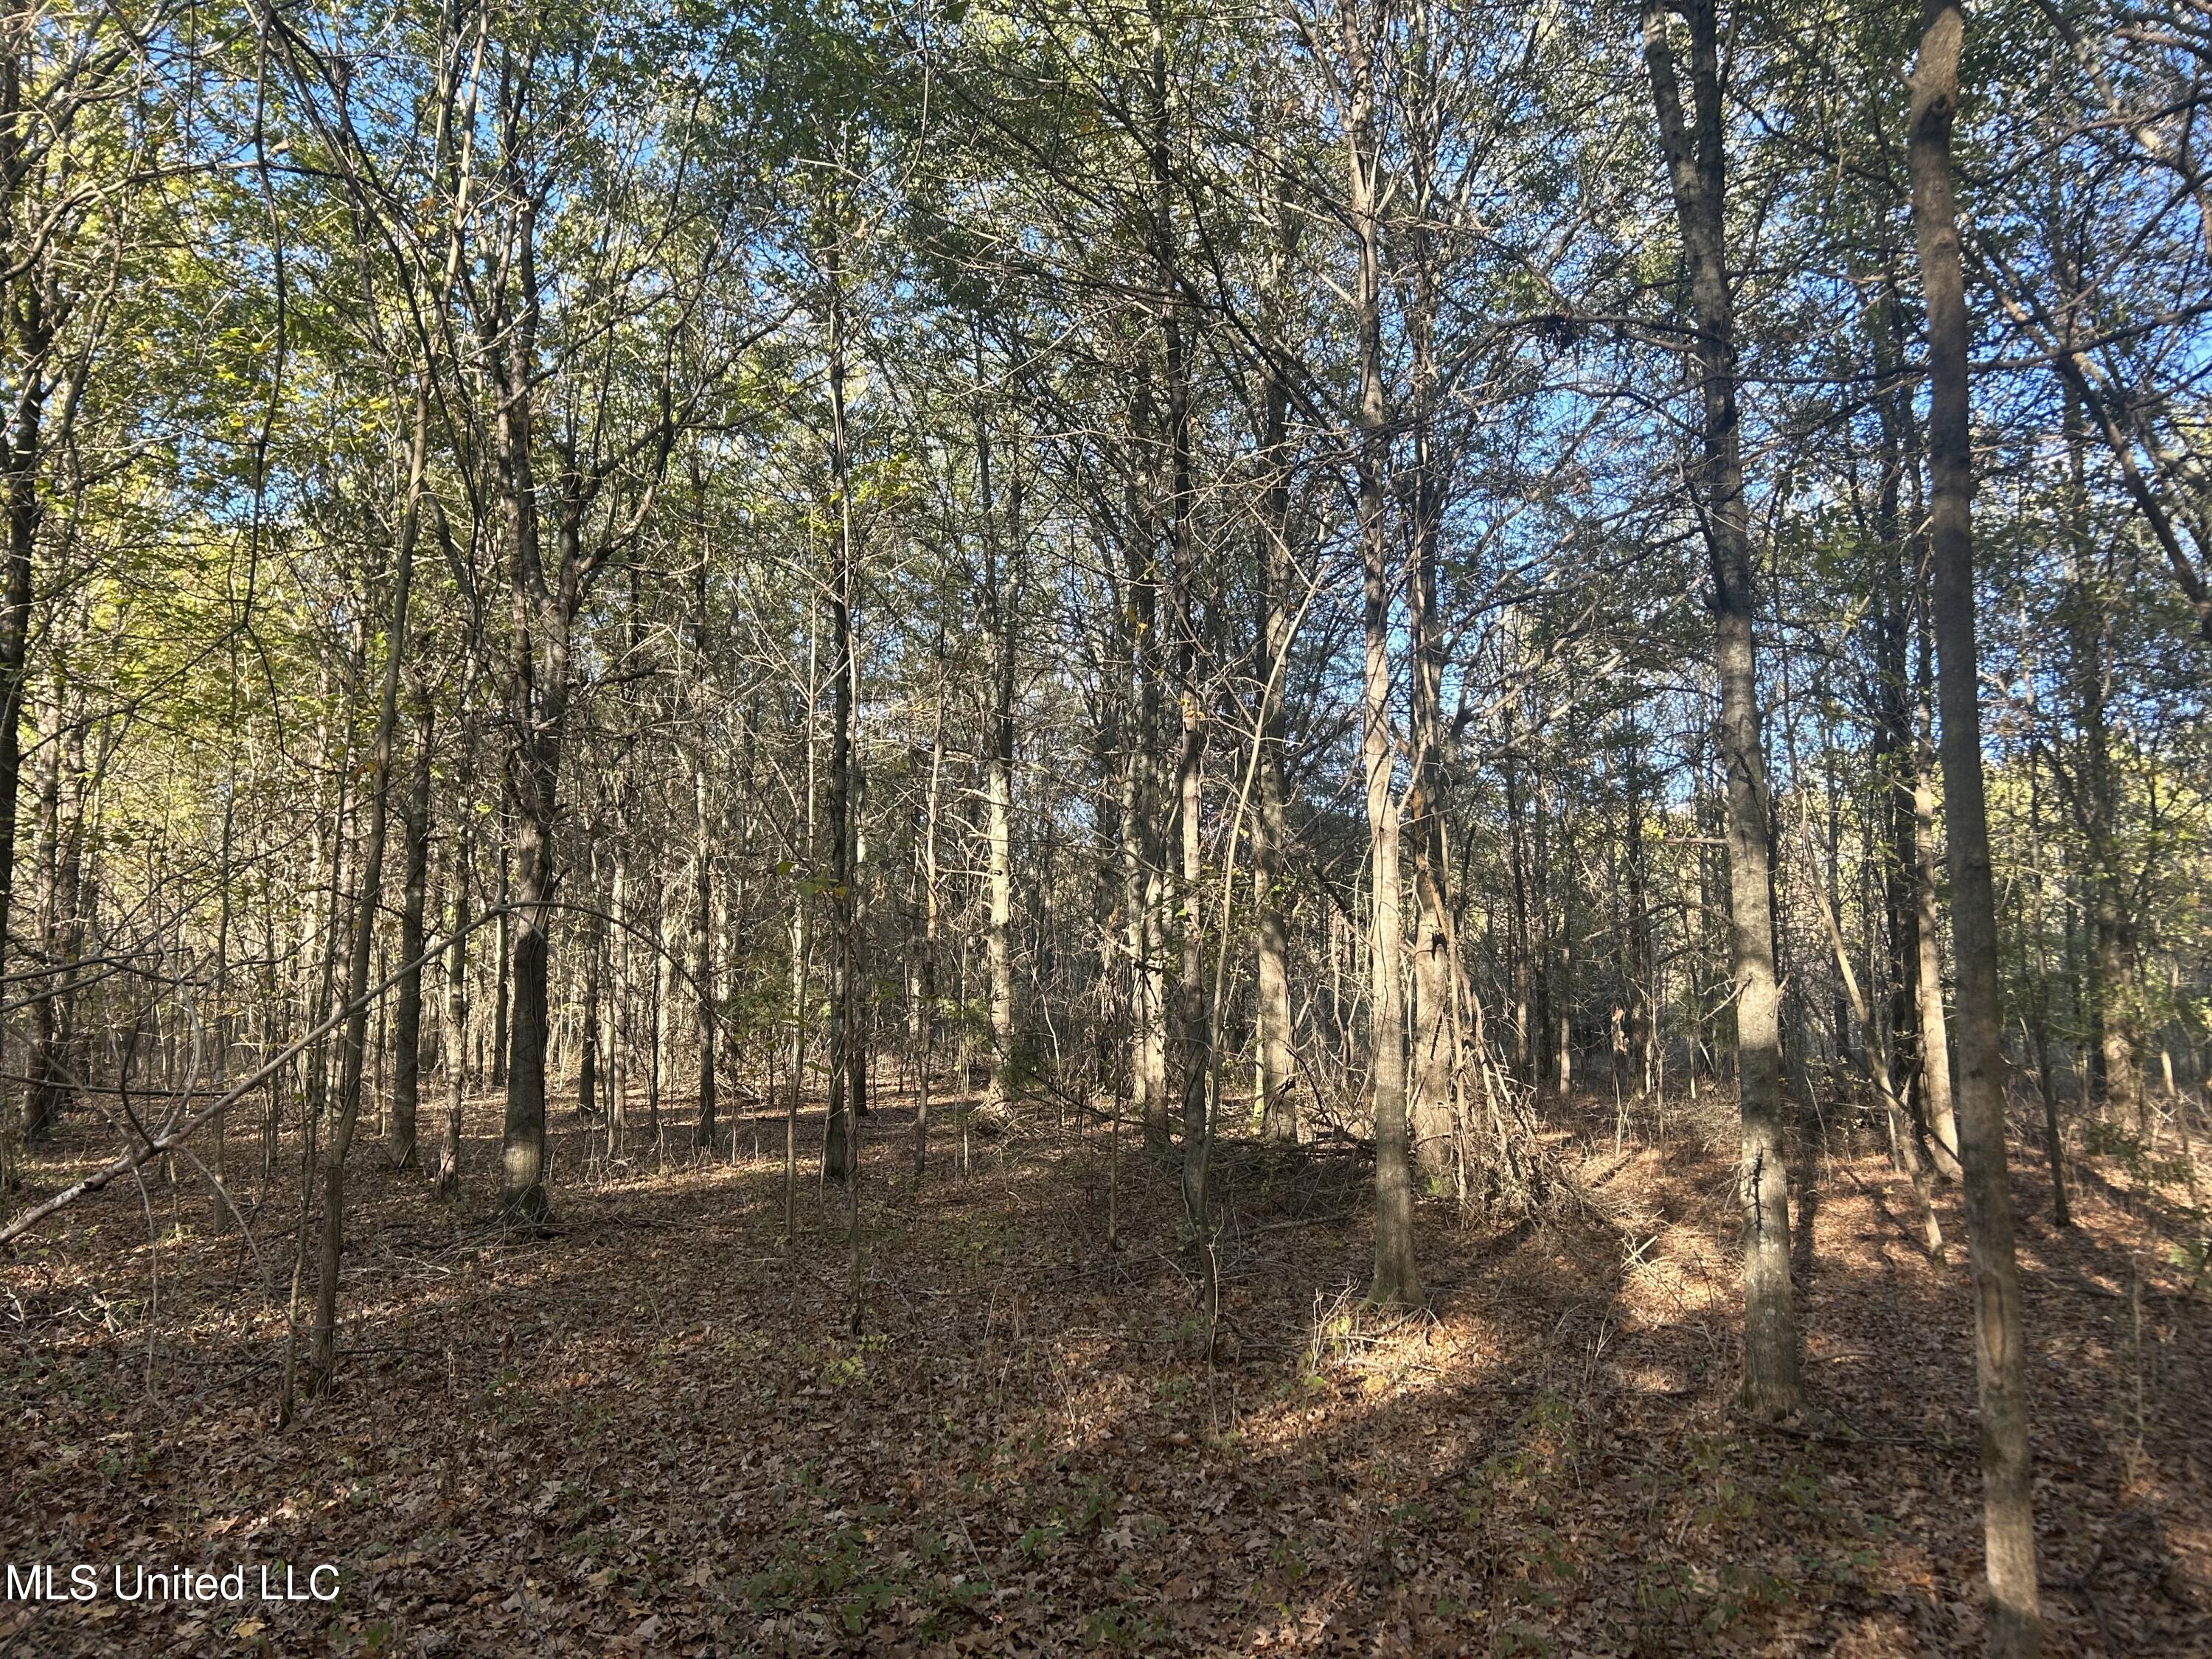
446 1179
1939 1120
998 783
925 1010
2054 1140
848 1069
1896 738
2000 1362
47 1093
24 300
353 1042
537 691
1171 513
2111 968
407 1018
1397 1281
1519 944
588 1088
1884 1077
1143 890
702 965
1436 1060
1275 1064
1195 1036
1696 165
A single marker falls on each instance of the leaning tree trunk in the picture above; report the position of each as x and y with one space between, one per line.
1697 167
2001 1363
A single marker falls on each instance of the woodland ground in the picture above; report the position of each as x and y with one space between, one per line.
649 1432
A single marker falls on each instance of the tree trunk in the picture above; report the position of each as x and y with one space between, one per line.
2008 1519
1275 1077
446 1179
997 779
1397 1281
48 1092
1436 1060
847 1068
1696 165
925 1010
30 325
588 1085
503 953
2054 1138
407 1019
353 1042
702 965
1938 1117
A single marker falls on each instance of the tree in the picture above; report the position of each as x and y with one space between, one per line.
1999 1358
1694 148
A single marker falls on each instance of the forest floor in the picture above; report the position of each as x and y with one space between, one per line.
649 1431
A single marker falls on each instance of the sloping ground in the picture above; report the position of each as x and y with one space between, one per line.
651 1433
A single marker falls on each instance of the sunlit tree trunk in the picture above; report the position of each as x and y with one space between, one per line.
1696 157
1938 1117
2001 1360
538 692
1436 1058
27 305
377 789
446 1176
1275 1074
1397 1281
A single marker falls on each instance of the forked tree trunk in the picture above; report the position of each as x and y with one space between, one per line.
2001 1361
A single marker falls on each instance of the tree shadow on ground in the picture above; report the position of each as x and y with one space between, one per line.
651 1432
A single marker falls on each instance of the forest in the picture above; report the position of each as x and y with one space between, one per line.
1105 826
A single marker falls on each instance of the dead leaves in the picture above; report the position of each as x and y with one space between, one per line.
651 1437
